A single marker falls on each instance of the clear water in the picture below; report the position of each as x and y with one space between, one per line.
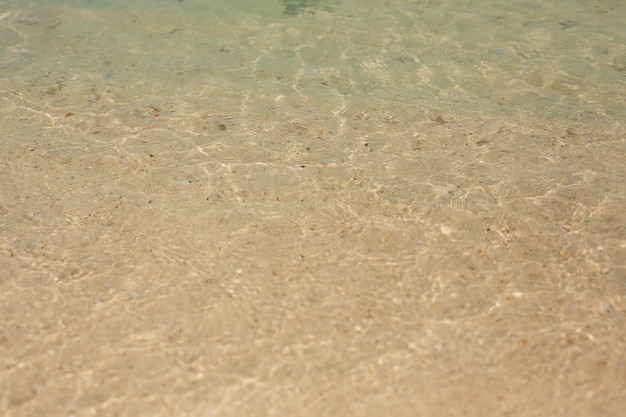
309 207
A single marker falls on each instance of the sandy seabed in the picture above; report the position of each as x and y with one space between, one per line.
287 247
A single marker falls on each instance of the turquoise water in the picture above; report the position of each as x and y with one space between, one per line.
557 59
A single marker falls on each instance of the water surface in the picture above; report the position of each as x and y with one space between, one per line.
305 207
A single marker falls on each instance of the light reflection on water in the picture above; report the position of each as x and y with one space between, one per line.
284 202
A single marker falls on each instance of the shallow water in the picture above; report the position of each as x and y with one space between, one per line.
309 207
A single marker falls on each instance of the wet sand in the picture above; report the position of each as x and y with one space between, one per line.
292 243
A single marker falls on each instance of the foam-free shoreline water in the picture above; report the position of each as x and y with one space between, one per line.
312 208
